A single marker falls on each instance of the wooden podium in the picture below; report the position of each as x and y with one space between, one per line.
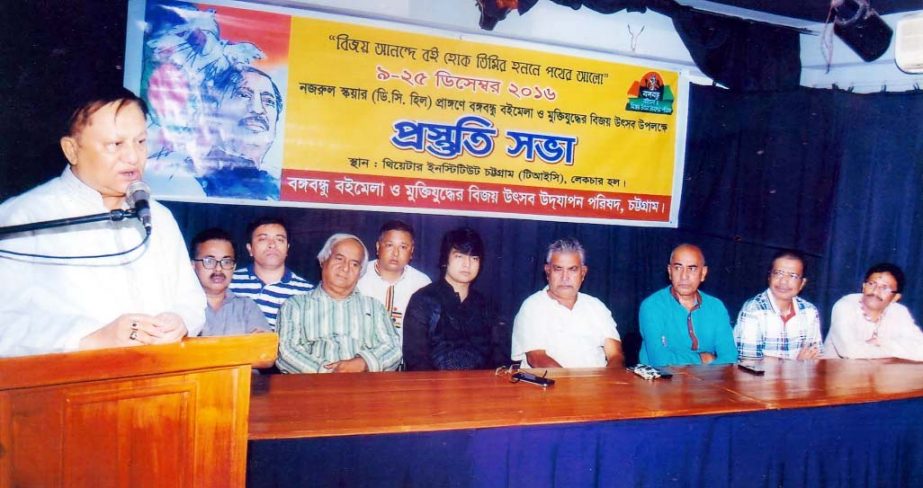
172 415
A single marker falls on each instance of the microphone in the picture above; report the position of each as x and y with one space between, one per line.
137 196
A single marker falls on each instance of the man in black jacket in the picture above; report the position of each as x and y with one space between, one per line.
448 324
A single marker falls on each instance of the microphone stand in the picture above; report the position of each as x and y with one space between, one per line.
114 216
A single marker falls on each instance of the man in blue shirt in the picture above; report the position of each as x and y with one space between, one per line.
267 280
214 260
681 325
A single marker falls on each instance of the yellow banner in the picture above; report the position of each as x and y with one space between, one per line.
394 117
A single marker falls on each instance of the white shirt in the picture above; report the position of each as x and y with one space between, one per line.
49 305
372 284
898 335
572 337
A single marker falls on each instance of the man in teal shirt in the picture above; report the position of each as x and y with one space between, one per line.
681 325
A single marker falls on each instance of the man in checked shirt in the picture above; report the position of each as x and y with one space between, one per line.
777 322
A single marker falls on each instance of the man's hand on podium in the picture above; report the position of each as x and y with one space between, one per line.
169 328
136 329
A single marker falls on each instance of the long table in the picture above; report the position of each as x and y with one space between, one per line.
815 423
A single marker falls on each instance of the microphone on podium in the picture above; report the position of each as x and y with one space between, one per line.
137 196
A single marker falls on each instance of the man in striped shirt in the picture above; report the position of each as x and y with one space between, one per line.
266 279
335 328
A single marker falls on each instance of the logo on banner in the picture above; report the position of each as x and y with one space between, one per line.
651 95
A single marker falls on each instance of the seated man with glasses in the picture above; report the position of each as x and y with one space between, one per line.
681 325
214 263
872 324
777 322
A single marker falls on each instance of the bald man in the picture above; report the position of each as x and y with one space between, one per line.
682 325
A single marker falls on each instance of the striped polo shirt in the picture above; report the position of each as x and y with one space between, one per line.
269 297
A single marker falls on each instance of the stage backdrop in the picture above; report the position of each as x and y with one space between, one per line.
253 103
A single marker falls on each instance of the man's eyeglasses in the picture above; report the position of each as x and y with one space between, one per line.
782 274
510 370
210 262
882 287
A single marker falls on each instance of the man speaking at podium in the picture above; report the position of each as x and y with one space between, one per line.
102 284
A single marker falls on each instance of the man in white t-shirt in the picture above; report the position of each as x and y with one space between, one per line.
560 327
391 279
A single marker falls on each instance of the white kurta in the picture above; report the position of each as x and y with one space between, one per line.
371 284
49 305
850 331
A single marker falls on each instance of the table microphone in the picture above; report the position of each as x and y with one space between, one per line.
137 196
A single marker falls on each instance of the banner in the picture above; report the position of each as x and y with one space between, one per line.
256 104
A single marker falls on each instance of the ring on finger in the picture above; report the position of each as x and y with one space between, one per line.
133 336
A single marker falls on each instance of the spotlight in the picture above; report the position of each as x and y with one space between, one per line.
860 27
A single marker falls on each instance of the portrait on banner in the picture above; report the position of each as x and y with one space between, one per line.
215 79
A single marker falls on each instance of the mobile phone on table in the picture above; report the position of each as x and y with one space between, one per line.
650 372
530 378
664 372
752 368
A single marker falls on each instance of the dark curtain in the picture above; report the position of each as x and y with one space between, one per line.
760 176
50 50
739 54
878 205
833 174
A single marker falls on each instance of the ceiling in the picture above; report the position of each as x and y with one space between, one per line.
806 10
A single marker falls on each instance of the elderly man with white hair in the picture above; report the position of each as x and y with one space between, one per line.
334 328
559 327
